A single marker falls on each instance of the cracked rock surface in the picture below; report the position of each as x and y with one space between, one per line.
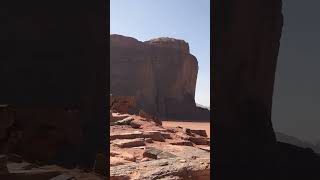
151 151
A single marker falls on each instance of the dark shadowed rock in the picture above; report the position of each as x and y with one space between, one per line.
7 117
243 72
200 132
15 158
100 165
151 152
55 61
154 135
128 135
3 164
135 124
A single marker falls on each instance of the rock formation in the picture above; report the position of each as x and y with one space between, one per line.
246 48
161 73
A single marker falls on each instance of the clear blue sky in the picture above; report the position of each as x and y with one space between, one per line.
182 19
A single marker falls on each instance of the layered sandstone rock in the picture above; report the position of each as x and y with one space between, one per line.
151 151
161 73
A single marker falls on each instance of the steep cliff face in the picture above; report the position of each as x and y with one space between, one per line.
247 44
161 73
243 75
244 72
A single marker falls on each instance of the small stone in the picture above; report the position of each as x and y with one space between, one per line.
151 152
194 157
135 124
164 163
126 143
183 160
128 157
144 159
125 121
155 135
200 132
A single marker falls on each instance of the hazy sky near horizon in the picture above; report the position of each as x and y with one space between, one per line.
182 19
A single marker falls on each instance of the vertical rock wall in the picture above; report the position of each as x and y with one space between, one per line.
243 74
161 73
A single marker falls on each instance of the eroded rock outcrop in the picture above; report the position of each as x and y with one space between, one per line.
161 73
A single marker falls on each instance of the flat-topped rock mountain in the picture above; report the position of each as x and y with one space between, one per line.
160 73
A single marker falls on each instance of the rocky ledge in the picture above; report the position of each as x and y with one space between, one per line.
141 148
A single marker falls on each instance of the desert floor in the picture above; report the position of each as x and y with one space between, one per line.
191 125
